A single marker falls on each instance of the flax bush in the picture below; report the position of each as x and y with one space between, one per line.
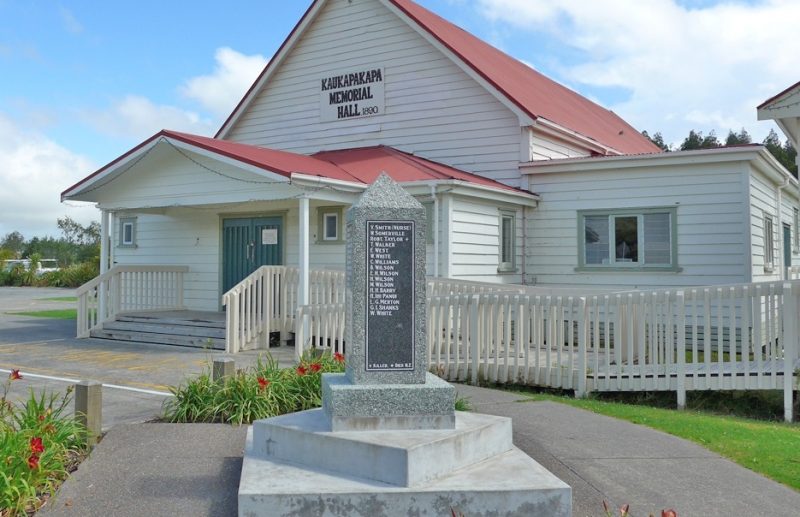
39 446
262 391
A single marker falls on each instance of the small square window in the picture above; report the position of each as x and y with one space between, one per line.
127 232
329 225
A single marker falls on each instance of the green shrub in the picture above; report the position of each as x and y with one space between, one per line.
39 446
262 391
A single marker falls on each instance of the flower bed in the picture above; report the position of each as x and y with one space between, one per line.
262 391
39 447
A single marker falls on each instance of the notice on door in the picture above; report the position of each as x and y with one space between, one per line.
269 236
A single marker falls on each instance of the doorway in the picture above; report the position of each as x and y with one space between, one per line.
247 244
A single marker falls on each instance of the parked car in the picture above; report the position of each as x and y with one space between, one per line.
45 265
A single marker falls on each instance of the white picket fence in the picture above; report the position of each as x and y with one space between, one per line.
125 289
738 337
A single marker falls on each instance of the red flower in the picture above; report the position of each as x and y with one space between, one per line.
315 367
262 383
339 358
36 445
301 370
14 375
33 461
668 513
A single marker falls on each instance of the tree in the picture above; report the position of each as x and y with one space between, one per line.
75 233
658 140
13 241
696 140
740 138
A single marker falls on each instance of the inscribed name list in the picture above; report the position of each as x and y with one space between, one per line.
390 296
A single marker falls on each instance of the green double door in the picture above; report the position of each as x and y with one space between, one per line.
247 244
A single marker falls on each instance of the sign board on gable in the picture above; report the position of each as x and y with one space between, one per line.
353 94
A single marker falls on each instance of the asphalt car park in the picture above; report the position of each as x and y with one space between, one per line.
136 376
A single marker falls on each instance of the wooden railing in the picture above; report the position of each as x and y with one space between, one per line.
128 288
741 337
266 302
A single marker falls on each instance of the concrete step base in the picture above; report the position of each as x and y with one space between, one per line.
507 484
398 457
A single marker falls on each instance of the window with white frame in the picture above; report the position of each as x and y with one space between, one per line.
330 225
508 241
127 232
628 239
796 236
769 242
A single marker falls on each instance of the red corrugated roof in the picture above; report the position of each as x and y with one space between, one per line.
778 95
367 163
534 93
362 165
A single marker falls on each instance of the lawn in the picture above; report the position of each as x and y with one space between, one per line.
769 448
58 314
60 299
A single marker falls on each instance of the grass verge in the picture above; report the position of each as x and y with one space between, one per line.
60 299
56 314
769 448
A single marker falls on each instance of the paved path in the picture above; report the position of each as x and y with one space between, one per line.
193 469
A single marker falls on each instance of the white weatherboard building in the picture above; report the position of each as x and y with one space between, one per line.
525 181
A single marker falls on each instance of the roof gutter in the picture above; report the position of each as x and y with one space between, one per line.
558 131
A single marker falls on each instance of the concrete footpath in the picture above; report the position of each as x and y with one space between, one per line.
193 469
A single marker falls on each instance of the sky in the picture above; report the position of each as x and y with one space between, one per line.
81 82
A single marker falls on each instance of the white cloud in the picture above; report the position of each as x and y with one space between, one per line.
220 91
71 24
34 170
705 68
137 117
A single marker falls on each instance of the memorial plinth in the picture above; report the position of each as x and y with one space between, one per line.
386 384
387 440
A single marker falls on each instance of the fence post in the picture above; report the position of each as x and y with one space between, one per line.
474 336
680 305
789 343
89 409
222 368
583 316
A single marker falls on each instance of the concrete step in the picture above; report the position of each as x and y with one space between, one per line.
161 339
194 322
185 329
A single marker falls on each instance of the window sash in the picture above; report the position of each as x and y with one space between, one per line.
127 230
796 234
330 226
769 242
507 241
654 239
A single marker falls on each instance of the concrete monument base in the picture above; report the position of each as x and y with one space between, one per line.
294 465
380 407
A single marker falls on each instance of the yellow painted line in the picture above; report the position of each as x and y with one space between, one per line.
53 373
